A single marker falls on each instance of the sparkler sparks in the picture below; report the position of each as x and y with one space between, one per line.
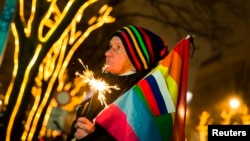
98 85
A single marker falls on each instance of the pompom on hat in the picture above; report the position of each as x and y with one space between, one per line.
144 48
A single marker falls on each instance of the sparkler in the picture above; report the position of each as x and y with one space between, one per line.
98 85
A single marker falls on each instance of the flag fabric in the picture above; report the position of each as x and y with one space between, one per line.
155 108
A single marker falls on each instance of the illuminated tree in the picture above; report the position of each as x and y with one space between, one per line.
46 38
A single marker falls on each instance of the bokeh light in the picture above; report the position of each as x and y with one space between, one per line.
234 103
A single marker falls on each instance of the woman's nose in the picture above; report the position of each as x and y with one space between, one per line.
108 52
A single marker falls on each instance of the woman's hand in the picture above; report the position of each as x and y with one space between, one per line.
83 127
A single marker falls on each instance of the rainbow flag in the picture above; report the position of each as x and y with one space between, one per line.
154 109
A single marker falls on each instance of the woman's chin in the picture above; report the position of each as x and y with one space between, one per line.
108 70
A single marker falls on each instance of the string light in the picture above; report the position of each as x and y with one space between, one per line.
55 63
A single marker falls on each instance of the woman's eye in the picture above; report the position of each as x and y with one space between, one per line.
118 48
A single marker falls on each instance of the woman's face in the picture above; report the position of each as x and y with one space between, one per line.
117 60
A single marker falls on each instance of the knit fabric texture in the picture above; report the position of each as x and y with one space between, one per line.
144 48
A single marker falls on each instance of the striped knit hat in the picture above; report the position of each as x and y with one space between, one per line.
144 48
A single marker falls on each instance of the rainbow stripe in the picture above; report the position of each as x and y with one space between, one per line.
148 110
145 48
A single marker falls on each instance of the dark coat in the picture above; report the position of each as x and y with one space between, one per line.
95 107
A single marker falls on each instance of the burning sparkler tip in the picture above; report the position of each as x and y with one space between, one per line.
98 85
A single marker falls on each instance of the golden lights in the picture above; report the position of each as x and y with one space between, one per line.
54 66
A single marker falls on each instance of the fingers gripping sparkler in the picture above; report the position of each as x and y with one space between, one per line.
98 85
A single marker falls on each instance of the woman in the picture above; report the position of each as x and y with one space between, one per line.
133 52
